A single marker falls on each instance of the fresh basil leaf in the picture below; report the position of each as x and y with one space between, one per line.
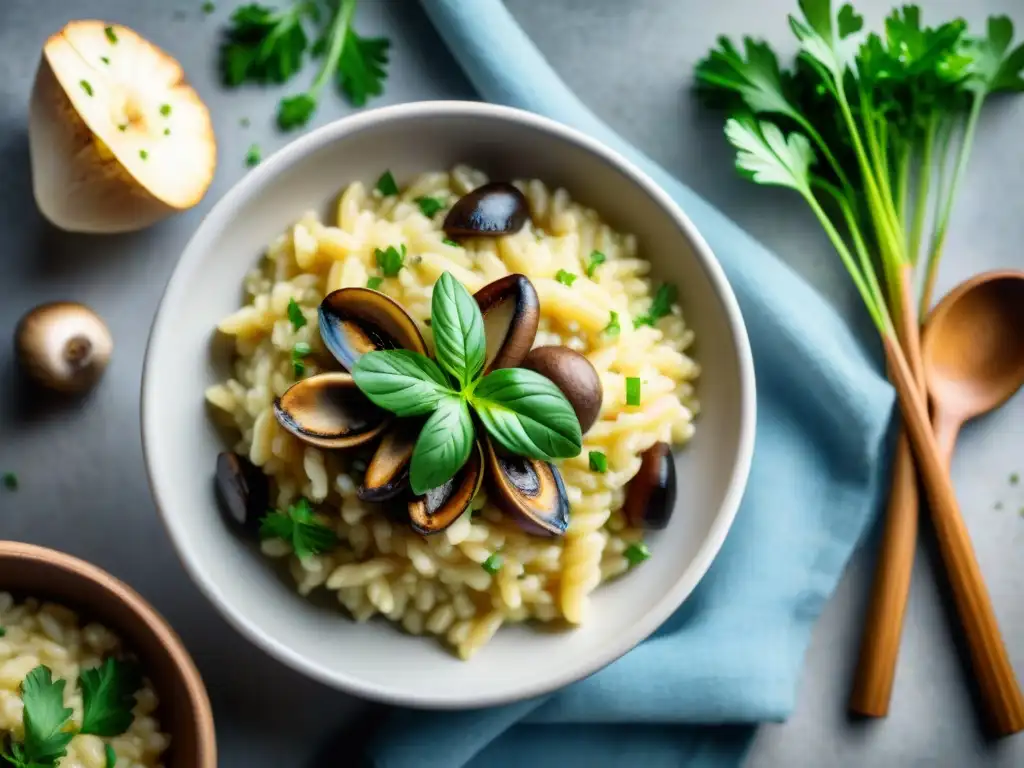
403 382
527 414
443 446
458 330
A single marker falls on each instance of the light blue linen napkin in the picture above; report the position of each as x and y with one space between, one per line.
732 653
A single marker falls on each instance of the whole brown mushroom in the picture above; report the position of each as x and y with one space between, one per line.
63 346
572 373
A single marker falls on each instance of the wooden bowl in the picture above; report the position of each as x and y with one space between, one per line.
185 713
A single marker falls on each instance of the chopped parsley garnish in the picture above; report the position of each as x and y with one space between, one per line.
390 260
165 110
297 526
209 7
493 563
111 35
295 314
253 155
452 243
613 328
86 87
565 278
3 631
111 756
598 462
167 131
596 259
10 481
664 298
374 283
429 205
300 351
637 552
143 154
632 390
122 127
386 184
105 59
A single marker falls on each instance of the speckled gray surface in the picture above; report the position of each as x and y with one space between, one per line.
83 487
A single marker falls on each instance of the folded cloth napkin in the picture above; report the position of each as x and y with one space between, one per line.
732 653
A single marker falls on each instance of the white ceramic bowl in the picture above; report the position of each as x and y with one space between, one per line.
377 660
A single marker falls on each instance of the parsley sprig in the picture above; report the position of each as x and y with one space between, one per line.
265 45
108 696
296 525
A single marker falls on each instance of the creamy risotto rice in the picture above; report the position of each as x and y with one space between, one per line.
435 584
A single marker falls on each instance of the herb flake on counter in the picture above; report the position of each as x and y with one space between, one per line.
598 462
565 278
295 314
429 205
10 481
297 526
636 553
111 35
613 328
386 184
493 563
209 7
1014 478
632 391
253 156
661 305
596 259
390 260
244 122
374 283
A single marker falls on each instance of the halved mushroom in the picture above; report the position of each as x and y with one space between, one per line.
530 491
387 474
511 311
651 495
354 321
493 210
242 489
329 411
440 507
572 373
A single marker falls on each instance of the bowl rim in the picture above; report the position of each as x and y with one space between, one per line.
115 589
222 213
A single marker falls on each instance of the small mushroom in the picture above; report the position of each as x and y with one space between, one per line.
572 373
354 321
329 411
651 496
492 210
440 507
511 312
242 490
63 346
528 490
387 474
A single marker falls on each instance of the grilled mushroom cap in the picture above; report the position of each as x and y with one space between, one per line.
651 496
511 312
492 210
354 321
572 373
242 490
387 474
529 491
329 411
440 507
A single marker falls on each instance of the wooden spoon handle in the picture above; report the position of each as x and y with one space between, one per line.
883 625
997 683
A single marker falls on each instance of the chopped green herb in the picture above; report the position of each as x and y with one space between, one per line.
295 314
209 7
596 259
429 205
637 552
111 35
165 110
632 391
565 278
10 481
45 718
299 351
664 298
390 260
111 756
167 131
3 631
598 462
108 696
143 154
999 505
386 184
298 527
298 368
253 156
122 127
374 283
244 122
86 87
104 59
1014 478
613 328
493 563
452 243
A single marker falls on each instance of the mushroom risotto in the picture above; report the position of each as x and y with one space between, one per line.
455 404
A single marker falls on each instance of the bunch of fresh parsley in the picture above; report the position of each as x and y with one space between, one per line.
268 45
522 411
108 696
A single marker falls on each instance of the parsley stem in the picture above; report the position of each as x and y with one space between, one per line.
902 191
924 184
339 33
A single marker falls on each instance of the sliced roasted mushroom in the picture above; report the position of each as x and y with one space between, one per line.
651 495
492 210
440 507
242 489
329 411
511 312
572 373
530 491
354 321
387 474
